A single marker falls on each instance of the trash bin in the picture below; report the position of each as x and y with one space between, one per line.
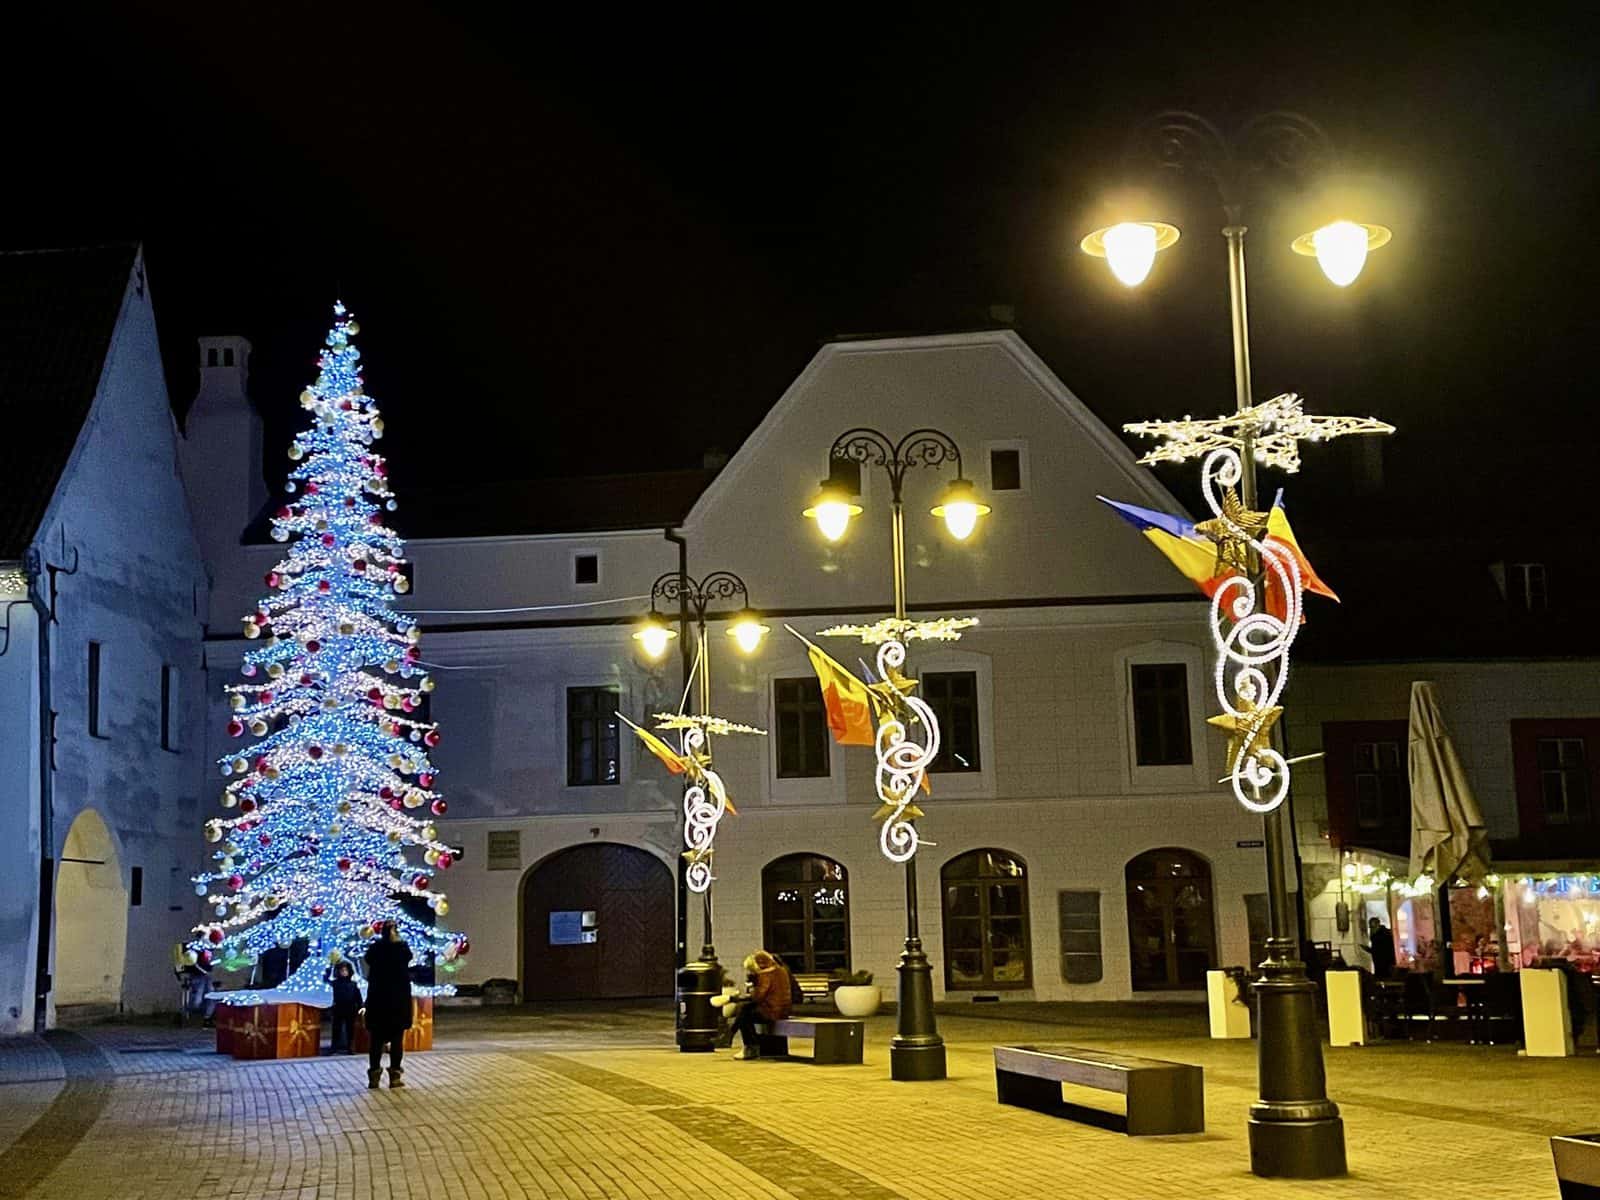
698 982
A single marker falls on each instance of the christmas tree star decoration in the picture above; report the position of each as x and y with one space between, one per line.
329 830
1249 731
1273 430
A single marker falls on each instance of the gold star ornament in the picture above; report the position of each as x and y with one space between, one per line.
1248 731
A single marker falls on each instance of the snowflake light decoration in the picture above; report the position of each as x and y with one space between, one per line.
1273 431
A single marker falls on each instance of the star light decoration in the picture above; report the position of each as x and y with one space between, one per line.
1252 645
902 762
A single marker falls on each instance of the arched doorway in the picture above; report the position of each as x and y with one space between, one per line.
986 942
1172 934
805 912
91 916
597 923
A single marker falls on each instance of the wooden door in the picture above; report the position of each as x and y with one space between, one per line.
624 950
1171 926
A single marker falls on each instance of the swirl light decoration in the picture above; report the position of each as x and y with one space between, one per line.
902 761
1252 647
704 802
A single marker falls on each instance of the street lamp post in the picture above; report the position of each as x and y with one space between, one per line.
1295 1129
696 597
916 1052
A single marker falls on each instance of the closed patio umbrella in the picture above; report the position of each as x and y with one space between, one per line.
1448 837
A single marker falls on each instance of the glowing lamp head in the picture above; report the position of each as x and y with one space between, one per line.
747 632
1341 248
653 635
832 509
960 508
1130 248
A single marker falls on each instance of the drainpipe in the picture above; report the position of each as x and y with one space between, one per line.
47 837
678 540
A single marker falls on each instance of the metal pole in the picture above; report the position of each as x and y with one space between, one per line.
916 1052
708 951
1295 1130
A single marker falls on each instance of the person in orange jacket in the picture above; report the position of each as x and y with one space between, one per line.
767 982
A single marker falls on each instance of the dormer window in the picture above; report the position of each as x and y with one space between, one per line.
1527 586
211 357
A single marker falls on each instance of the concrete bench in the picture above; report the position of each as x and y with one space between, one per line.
834 1039
1162 1097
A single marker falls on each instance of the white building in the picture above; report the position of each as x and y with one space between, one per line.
1076 707
100 680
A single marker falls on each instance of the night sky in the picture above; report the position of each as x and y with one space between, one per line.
555 229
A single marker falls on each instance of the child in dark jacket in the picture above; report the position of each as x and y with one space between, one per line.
346 1004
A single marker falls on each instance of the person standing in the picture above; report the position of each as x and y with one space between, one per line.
1380 946
388 1010
769 1000
346 1004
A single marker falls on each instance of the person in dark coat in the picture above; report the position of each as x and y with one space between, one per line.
1380 946
388 1011
768 1000
346 1004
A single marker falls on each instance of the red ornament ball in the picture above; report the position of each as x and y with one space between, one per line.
323 585
327 539
215 935
463 946
305 680
349 501
236 882
317 910
285 513
445 860
266 839
386 792
420 881
375 695
313 646
312 489
247 805
413 653
431 737
438 808
426 779
344 864
314 750
203 958
374 519
380 469
235 728
360 564
272 579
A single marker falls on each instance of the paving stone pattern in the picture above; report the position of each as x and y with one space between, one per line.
589 1105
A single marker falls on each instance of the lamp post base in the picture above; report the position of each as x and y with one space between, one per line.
916 1052
1297 1149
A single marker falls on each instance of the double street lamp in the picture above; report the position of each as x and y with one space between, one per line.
916 1051
1295 1130
696 599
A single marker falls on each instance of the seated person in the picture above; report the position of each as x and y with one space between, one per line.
767 999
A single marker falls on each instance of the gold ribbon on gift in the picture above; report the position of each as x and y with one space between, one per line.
302 1031
421 1014
254 1032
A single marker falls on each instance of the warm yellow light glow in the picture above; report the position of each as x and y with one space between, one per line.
960 508
1130 248
832 510
1341 248
747 631
653 637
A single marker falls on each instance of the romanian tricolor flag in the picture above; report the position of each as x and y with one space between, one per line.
670 758
846 698
1185 547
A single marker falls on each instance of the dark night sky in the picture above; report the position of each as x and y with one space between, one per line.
547 225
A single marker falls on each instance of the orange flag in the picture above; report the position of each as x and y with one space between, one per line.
670 758
846 698
1280 533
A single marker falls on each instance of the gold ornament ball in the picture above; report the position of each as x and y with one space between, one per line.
239 766
392 665
414 634
394 837
258 728
229 800
431 857
296 453
366 931
427 683
275 671
413 799
402 584
340 749
441 906
346 628
213 832
429 833
252 630
335 957
236 701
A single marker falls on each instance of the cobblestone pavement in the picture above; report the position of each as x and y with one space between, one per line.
587 1105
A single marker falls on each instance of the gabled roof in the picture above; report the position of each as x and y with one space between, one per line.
523 507
58 310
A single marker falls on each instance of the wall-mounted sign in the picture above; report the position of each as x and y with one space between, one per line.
505 850
573 927
1251 844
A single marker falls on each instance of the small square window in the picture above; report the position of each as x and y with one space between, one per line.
211 357
1005 470
586 568
1161 714
227 357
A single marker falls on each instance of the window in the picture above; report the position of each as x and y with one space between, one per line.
1381 784
169 707
135 887
1005 470
1080 936
211 357
585 568
227 356
805 911
986 922
1369 791
96 684
1161 714
802 728
1527 586
953 696
593 755
1563 780
1172 940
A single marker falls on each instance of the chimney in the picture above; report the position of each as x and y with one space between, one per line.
221 452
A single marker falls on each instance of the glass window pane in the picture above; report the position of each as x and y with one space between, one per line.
966 966
961 900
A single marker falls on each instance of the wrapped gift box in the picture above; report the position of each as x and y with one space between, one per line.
418 1037
269 1030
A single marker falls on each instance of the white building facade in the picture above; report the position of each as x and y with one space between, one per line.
1077 844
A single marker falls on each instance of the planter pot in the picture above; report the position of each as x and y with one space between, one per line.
857 1000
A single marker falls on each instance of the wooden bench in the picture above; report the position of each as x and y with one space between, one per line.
834 1039
814 986
1162 1097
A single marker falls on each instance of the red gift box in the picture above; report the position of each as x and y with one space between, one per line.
418 1037
270 1030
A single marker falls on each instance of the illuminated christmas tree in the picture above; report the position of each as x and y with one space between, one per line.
328 827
